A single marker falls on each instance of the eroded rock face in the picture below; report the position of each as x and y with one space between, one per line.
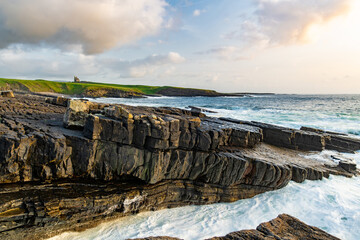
110 92
116 160
308 139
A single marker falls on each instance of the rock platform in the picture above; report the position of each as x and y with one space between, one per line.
70 164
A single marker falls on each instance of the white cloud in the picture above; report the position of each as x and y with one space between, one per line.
95 25
282 22
35 63
45 63
225 53
196 13
142 67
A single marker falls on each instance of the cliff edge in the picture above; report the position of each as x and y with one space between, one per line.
69 164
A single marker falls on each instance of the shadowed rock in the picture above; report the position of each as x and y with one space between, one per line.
115 160
282 227
308 139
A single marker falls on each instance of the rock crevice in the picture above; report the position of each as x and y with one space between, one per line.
64 163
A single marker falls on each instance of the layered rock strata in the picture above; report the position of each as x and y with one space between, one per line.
308 139
65 168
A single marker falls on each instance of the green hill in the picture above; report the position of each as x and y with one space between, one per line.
92 89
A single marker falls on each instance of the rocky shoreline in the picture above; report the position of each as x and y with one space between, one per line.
70 164
96 90
282 227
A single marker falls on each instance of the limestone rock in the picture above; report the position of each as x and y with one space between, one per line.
308 139
76 113
282 227
116 160
285 227
60 101
336 141
348 165
197 109
7 94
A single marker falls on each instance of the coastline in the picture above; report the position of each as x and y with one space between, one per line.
249 139
94 89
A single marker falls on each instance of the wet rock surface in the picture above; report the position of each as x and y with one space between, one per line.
308 139
69 164
281 228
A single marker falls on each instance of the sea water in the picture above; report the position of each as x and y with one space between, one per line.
331 204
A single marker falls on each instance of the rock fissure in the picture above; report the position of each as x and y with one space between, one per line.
68 164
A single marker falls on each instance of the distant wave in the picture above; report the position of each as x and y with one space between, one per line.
330 112
333 207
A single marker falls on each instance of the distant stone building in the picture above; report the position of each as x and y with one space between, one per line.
76 79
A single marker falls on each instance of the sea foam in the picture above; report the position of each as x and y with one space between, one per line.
331 204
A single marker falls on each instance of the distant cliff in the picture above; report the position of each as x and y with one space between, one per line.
93 89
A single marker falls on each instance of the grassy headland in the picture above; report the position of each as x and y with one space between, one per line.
92 89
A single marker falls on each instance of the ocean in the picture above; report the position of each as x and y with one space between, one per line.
331 204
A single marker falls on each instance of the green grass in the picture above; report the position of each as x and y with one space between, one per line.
71 88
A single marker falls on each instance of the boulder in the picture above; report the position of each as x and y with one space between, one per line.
288 227
8 94
60 101
347 165
76 113
199 110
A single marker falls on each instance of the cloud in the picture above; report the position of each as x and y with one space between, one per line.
224 53
283 22
155 59
95 25
45 63
142 67
196 13
32 63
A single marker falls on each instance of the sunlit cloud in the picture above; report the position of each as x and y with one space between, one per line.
94 25
284 22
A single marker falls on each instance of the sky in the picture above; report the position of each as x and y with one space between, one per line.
281 46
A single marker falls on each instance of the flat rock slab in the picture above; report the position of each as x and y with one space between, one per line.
120 160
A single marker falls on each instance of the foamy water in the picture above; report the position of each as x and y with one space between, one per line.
331 204
331 112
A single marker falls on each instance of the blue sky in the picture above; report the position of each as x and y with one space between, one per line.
283 46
